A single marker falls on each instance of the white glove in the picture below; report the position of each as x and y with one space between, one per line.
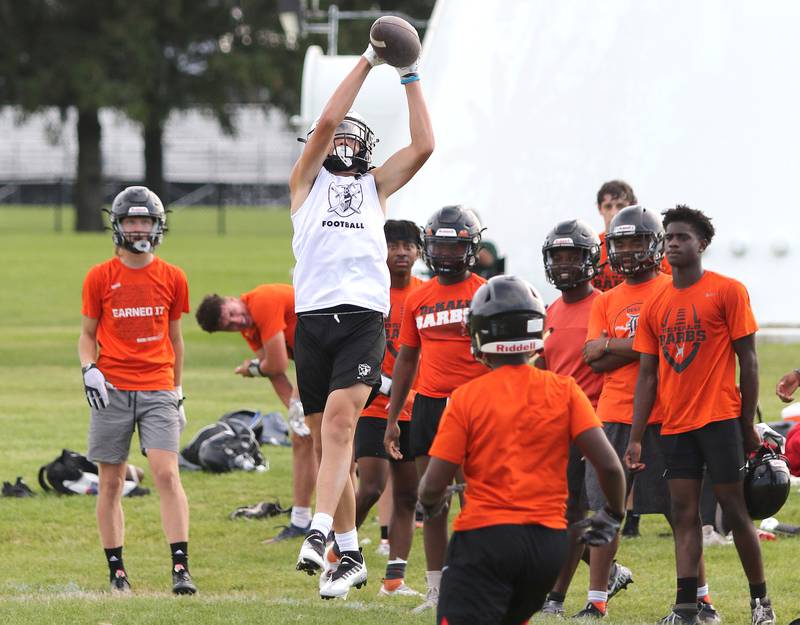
297 419
386 385
95 385
181 409
407 71
372 57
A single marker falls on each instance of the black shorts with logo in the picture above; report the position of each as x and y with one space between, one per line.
369 439
499 574
337 348
425 416
717 446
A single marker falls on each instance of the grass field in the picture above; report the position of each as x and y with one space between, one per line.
51 565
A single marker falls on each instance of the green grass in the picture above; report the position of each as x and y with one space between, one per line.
51 566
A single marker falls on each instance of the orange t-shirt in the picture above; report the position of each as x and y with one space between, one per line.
133 308
435 321
607 278
565 335
617 312
692 331
271 307
397 300
511 430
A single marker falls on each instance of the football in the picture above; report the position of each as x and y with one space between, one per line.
395 41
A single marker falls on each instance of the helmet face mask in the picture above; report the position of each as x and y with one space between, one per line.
353 143
635 224
137 202
451 240
571 253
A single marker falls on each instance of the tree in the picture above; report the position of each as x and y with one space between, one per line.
58 53
206 54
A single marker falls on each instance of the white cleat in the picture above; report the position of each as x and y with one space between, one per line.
310 559
430 603
350 572
401 590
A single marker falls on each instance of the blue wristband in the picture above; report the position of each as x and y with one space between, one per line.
409 79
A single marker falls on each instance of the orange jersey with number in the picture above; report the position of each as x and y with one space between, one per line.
617 312
133 308
511 430
271 307
435 321
380 405
607 278
692 331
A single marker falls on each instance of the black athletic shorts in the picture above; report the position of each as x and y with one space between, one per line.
499 574
337 348
717 446
425 416
369 439
577 502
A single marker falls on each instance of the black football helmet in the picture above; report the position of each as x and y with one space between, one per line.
345 157
452 237
138 202
766 483
506 316
635 221
576 234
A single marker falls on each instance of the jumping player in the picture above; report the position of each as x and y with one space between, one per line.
266 319
511 429
341 281
131 354
690 334
433 333
635 241
374 464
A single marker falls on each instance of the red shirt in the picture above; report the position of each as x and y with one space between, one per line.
565 335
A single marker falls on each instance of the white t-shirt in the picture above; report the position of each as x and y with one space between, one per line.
340 246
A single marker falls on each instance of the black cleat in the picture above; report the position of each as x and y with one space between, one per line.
182 583
707 613
18 489
762 612
683 614
288 532
311 553
618 579
119 583
590 611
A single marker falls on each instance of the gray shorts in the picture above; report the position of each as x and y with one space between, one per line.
154 413
650 489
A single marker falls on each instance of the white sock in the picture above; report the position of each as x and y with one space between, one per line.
595 596
301 517
702 591
347 541
434 578
322 522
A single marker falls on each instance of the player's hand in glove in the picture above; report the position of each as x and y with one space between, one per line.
372 57
600 528
181 409
95 385
386 386
297 419
409 70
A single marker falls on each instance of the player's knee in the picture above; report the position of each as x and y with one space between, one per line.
684 515
166 479
339 429
369 493
302 444
111 486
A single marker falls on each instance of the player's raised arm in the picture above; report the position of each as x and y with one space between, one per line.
407 161
320 138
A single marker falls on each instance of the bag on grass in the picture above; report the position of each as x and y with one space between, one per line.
74 474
